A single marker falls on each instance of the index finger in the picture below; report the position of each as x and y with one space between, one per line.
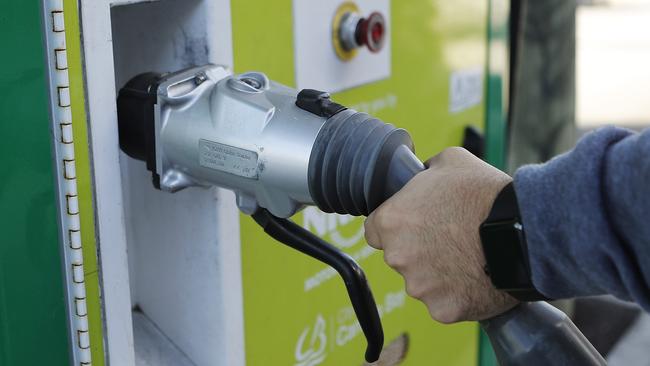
370 231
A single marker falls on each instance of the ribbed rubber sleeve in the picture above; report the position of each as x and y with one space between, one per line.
351 160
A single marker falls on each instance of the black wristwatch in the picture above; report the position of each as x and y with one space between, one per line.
505 249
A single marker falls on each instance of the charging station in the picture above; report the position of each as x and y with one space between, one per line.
155 278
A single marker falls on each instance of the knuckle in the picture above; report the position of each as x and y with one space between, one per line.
370 238
432 161
372 241
369 231
415 291
454 152
445 315
457 150
384 219
394 259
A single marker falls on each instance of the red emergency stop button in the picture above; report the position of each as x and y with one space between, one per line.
371 32
352 31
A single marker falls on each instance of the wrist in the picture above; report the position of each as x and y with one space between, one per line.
505 249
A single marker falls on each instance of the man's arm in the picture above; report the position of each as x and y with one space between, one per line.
586 215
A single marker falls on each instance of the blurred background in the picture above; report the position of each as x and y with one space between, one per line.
613 54
613 87
581 65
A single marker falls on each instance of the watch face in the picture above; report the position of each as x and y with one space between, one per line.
505 254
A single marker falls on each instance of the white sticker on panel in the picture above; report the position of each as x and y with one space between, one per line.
465 89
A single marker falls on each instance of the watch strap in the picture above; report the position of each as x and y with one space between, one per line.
505 206
505 248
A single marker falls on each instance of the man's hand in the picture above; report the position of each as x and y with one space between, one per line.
429 232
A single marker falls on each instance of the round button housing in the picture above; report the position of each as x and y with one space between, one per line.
351 31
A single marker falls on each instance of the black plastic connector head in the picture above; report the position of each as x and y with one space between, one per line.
136 121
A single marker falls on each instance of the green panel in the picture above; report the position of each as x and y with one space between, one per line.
430 40
486 353
497 81
496 113
33 324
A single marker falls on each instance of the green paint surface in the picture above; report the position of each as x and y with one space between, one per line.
285 322
33 325
497 83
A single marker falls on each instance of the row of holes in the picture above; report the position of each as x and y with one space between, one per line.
69 174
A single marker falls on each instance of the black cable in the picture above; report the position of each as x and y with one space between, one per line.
288 233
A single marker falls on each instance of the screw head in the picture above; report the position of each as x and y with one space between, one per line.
200 78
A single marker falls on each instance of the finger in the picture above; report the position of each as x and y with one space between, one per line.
432 161
395 260
450 156
436 160
371 233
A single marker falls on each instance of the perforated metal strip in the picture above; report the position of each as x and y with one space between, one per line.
54 27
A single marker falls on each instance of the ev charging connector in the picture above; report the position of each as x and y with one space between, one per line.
279 150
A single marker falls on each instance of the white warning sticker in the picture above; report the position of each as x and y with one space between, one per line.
465 89
228 159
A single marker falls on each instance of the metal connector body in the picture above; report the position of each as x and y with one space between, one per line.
241 132
274 147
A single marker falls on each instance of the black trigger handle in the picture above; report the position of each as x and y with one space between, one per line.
287 232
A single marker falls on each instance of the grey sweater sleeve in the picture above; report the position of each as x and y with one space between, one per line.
586 216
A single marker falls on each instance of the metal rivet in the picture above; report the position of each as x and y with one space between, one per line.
200 78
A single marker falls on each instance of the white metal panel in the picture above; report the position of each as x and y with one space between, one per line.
111 241
183 248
